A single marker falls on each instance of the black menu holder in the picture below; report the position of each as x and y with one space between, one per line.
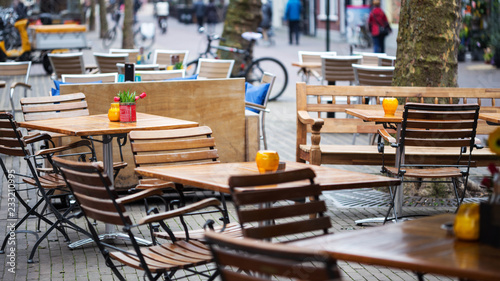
489 224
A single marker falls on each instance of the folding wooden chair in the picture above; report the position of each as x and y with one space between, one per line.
237 258
99 201
373 75
213 68
386 61
132 53
164 57
338 68
18 74
12 144
313 57
433 127
107 62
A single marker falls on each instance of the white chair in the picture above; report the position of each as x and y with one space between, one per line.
107 62
262 108
338 68
213 69
369 58
86 78
313 57
367 75
163 57
160 74
138 67
386 61
18 74
132 53
66 63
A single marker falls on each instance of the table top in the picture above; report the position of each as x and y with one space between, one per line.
375 115
491 117
419 245
215 176
100 125
307 64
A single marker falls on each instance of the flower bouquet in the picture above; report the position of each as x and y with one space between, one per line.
127 100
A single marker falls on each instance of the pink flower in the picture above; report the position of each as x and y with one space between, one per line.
117 99
143 95
136 98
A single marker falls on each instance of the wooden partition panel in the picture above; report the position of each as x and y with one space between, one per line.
218 103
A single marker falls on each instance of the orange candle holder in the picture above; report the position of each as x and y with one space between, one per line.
390 105
267 161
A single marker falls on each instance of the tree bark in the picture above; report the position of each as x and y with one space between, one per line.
241 16
103 19
128 19
428 43
92 16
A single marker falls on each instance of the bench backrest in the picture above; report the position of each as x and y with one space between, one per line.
313 99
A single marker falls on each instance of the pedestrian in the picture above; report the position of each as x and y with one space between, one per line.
293 12
212 16
20 9
199 11
137 6
379 27
267 18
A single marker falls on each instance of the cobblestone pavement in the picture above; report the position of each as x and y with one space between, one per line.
53 259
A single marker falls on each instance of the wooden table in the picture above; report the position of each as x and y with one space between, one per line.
215 176
419 245
94 125
307 68
492 118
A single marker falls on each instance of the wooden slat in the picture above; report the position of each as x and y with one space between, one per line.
270 195
11 151
54 115
438 142
52 99
103 204
176 157
435 134
450 115
283 229
299 209
421 124
173 145
170 134
106 217
55 107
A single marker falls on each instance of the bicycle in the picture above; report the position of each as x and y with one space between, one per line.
252 71
144 34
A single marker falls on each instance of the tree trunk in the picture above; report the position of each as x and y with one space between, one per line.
241 16
428 43
92 16
102 19
128 19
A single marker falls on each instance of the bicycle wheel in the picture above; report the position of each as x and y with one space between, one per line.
191 68
144 40
259 66
109 38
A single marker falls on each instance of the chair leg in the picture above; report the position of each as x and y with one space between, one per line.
263 129
12 102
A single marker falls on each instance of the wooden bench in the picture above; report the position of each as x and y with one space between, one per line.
312 122
217 103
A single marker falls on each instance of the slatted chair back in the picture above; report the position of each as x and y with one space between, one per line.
138 67
369 58
94 191
289 218
367 75
67 63
86 78
213 68
132 53
314 57
339 68
107 62
164 57
235 258
174 147
49 107
160 75
11 142
387 61
15 74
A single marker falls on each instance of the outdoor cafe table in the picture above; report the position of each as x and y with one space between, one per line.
492 118
420 245
215 177
95 125
305 68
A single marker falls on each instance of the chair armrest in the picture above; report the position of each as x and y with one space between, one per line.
208 202
256 106
305 118
64 147
386 136
20 84
139 195
37 137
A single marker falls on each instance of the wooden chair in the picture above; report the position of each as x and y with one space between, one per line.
262 108
138 67
434 127
282 209
107 62
367 75
338 68
63 106
99 201
313 57
132 53
174 147
235 258
387 61
86 78
369 58
160 74
163 57
14 144
18 74
213 68
66 63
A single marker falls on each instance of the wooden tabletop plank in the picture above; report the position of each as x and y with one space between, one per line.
375 115
307 64
215 176
419 245
100 125
491 117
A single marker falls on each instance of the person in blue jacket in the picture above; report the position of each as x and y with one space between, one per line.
293 13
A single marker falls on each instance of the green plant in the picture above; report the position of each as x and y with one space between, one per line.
178 65
127 96
488 54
